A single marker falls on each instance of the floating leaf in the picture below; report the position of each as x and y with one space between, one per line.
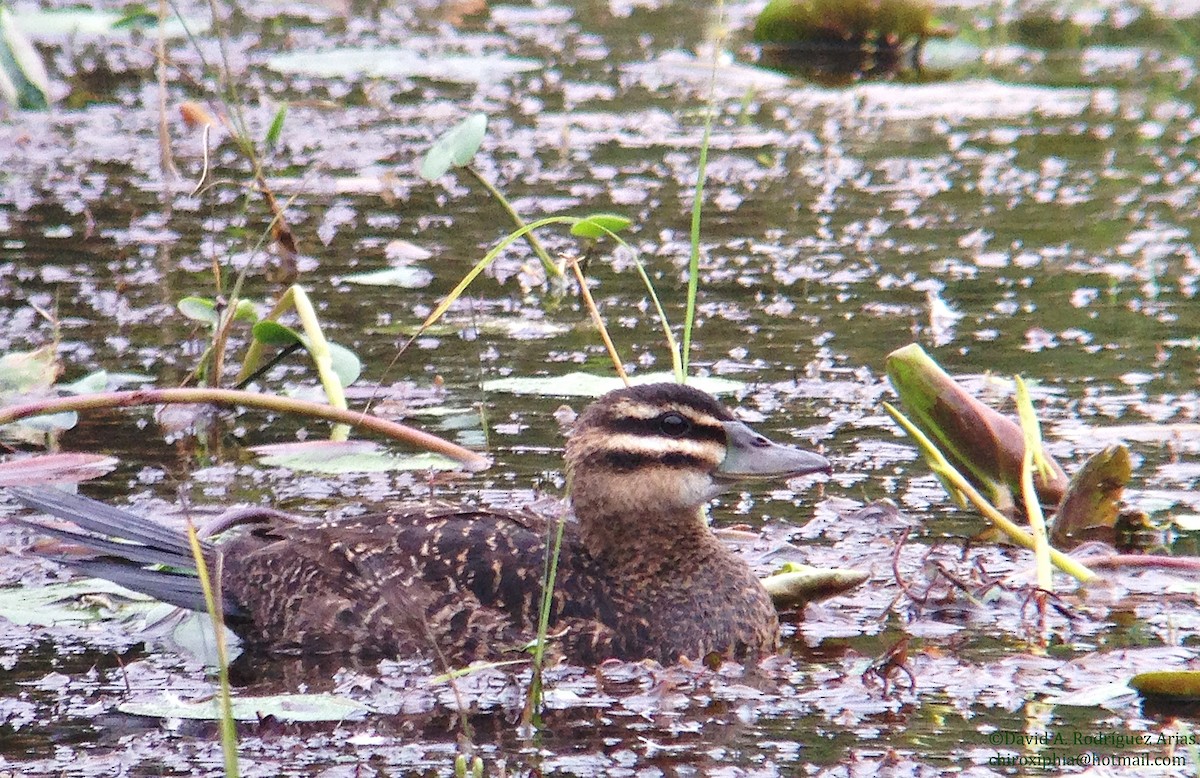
395 62
51 468
1092 696
103 381
88 23
338 457
90 599
1173 684
28 372
455 148
588 385
284 707
796 585
402 277
599 225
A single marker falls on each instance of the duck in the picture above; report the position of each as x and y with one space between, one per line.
640 574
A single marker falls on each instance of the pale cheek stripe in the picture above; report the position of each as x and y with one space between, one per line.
657 447
632 410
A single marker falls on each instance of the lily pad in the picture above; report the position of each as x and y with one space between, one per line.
402 277
91 23
26 372
284 707
47 468
355 456
1092 696
589 385
1171 684
103 381
394 62
91 599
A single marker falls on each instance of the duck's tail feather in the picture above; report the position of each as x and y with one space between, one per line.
133 549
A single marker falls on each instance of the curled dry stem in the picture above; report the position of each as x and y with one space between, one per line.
470 460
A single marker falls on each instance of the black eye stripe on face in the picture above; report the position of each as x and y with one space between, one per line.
628 461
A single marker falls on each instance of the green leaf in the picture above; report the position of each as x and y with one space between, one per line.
272 333
102 381
588 385
284 707
28 372
89 384
1170 684
245 311
981 443
276 128
599 225
85 23
199 309
136 16
345 363
24 82
455 148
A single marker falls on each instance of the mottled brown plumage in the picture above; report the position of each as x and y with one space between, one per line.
640 575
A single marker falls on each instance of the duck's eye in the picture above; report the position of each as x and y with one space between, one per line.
673 425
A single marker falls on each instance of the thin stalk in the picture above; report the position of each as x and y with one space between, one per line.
693 287
552 269
534 703
229 743
232 397
1033 506
318 349
946 471
482 265
594 312
678 363
165 161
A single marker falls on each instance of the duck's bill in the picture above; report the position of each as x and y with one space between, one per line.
750 456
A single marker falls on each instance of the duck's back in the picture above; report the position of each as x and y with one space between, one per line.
423 581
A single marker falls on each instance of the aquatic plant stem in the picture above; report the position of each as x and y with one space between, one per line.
693 286
470 460
1033 506
534 702
552 270
166 162
212 599
947 472
594 312
318 349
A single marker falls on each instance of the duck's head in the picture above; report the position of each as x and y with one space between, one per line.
660 449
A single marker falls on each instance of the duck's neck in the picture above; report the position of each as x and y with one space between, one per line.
644 539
